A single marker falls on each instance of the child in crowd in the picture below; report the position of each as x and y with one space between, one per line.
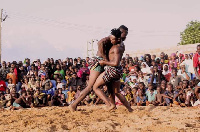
151 95
92 98
29 98
8 98
2 99
70 96
168 95
141 98
61 95
159 100
14 96
20 102
10 84
134 98
129 95
56 99
39 98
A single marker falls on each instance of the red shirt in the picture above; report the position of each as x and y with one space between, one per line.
2 86
196 61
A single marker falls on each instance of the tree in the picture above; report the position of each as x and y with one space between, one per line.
191 34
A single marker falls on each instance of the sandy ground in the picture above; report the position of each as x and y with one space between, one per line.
95 119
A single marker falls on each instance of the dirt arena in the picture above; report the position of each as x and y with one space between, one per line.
95 119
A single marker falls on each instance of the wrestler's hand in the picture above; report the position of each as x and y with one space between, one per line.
101 62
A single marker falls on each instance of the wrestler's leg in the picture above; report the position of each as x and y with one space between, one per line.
99 82
111 92
92 78
116 87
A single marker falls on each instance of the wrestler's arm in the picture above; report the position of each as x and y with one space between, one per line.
115 61
101 47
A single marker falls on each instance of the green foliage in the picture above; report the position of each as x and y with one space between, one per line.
191 34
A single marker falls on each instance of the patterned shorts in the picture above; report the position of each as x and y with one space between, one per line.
94 65
112 74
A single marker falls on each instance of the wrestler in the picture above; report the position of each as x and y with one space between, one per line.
112 72
104 46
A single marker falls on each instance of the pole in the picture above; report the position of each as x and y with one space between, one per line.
87 49
92 48
0 31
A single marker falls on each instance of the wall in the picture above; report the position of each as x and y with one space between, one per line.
185 49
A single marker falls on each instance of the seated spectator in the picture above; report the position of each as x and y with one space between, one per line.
7 96
39 98
150 93
92 97
159 100
56 99
133 101
70 96
141 87
168 95
61 95
2 99
20 102
141 98
128 95
163 86
29 98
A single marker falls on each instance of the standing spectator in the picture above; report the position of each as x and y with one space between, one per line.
12 75
2 84
4 70
196 62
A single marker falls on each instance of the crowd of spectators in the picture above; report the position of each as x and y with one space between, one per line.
163 80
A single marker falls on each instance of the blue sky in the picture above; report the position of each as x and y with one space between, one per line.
60 29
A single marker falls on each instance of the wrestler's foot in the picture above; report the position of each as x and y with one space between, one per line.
130 110
111 107
71 108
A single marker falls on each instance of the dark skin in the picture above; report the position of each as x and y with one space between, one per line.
102 44
159 101
115 56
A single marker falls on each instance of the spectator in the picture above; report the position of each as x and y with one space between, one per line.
12 75
2 84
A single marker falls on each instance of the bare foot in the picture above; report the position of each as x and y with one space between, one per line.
130 110
71 108
111 107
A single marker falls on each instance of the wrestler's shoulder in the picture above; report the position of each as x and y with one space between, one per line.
106 39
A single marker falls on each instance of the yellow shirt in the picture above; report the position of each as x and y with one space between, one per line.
70 96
